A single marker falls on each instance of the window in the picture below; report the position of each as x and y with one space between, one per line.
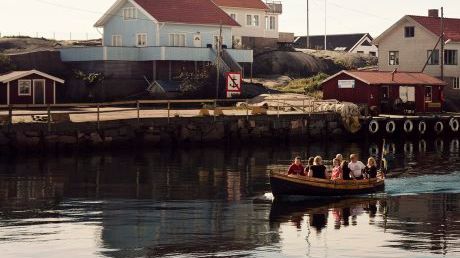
141 39
270 22
450 57
409 32
456 83
233 15
393 58
256 21
360 52
116 41
249 20
129 13
24 88
372 53
428 94
433 57
177 40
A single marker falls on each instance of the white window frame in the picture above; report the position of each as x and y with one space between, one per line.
249 20
137 40
234 15
120 43
172 44
127 16
256 20
452 57
456 83
396 59
269 26
431 57
28 86
431 94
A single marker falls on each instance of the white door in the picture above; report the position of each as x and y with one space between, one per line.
197 40
407 93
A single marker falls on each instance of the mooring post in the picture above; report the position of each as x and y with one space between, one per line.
49 117
278 112
215 107
10 114
169 110
98 126
138 108
247 109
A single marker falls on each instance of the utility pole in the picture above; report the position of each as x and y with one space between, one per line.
218 56
325 24
308 24
442 43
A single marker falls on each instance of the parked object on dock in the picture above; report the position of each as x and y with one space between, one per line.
28 87
389 92
284 185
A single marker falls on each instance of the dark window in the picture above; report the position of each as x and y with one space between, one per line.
409 32
393 58
455 83
360 52
428 94
433 57
372 53
450 57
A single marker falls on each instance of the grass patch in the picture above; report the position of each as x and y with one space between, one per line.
309 86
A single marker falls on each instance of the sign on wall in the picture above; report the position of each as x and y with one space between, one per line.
346 84
234 82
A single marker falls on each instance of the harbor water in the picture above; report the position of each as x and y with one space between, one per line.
216 202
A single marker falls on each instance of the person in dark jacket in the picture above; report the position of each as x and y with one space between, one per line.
345 170
318 170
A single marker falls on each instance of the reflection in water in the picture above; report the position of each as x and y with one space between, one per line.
207 202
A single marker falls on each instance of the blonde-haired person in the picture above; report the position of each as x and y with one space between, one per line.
318 170
339 157
356 167
370 171
337 173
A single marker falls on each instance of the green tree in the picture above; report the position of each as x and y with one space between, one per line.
91 81
200 84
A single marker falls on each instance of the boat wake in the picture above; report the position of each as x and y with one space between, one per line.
449 183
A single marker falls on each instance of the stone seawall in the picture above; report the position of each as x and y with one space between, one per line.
173 132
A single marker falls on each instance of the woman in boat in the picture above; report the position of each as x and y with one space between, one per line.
296 168
310 163
339 157
345 170
318 170
336 170
370 171
356 167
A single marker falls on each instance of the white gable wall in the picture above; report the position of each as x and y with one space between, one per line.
252 31
365 49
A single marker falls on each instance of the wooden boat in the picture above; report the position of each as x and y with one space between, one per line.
284 185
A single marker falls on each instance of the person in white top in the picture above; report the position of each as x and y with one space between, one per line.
356 167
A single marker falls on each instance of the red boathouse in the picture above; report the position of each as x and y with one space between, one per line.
387 92
28 87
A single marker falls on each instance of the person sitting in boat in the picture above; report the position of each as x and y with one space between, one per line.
336 170
296 168
356 167
310 163
318 170
345 170
339 157
370 171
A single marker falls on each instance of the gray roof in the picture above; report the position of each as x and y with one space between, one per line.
338 42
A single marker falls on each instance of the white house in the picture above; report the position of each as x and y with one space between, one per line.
170 34
258 20
358 43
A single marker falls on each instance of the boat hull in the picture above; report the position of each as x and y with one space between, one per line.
283 185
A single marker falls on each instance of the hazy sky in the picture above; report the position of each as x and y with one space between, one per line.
60 17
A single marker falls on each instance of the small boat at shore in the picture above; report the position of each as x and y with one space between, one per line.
285 185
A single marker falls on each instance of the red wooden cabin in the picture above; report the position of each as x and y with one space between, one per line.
28 87
385 90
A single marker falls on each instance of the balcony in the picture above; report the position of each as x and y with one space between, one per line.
82 54
276 7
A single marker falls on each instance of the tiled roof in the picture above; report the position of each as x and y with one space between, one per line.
187 11
342 42
252 4
400 78
433 24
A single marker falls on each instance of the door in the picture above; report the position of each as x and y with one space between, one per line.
197 40
39 92
384 99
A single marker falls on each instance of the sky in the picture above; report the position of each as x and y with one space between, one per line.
64 19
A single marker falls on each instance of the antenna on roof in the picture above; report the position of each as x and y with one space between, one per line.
308 24
325 24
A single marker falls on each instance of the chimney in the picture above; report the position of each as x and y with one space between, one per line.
433 13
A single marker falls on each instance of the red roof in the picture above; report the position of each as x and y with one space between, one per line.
252 4
386 78
433 24
187 11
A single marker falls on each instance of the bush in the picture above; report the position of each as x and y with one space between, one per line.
200 84
5 64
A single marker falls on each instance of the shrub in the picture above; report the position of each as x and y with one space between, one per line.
200 84
5 64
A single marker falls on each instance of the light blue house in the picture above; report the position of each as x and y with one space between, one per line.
164 32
